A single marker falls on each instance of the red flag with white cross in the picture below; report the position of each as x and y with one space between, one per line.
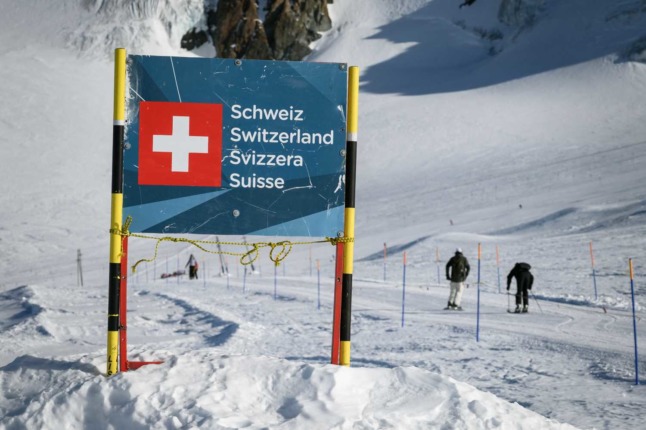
180 144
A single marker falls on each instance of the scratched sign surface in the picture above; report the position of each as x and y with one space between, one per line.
220 146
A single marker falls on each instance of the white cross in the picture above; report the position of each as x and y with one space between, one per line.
180 144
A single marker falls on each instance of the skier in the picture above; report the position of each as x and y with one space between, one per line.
467 3
192 267
524 281
459 270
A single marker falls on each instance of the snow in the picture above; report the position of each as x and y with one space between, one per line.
531 145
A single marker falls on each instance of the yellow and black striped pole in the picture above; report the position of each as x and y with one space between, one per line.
117 208
350 180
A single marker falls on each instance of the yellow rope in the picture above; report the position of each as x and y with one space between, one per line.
277 253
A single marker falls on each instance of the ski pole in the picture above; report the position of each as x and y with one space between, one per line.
508 302
539 306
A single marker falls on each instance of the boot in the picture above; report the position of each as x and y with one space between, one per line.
525 310
517 310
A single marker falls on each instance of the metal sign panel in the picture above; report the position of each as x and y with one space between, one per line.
221 146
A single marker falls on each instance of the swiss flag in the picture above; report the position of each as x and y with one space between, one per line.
180 144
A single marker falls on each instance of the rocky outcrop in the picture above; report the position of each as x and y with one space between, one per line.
627 10
292 25
236 31
194 39
637 51
520 13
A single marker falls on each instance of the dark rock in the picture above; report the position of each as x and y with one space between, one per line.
292 25
636 51
194 39
237 32
520 13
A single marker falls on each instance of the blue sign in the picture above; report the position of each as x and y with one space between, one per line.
233 147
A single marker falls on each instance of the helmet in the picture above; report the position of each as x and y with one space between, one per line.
458 250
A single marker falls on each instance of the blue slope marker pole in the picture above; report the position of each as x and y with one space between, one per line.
437 262
632 294
478 307
318 283
498 267
404 290
275 280
385 259
228 281
594 276
244 280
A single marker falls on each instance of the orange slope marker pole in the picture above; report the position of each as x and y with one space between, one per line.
594 274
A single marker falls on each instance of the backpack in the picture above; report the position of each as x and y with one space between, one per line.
459 268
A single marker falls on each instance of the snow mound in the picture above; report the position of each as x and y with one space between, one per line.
205 390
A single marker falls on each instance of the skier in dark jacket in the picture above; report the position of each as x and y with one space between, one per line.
524 281
459 268
192 267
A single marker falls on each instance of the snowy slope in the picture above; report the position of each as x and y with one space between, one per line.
456 132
